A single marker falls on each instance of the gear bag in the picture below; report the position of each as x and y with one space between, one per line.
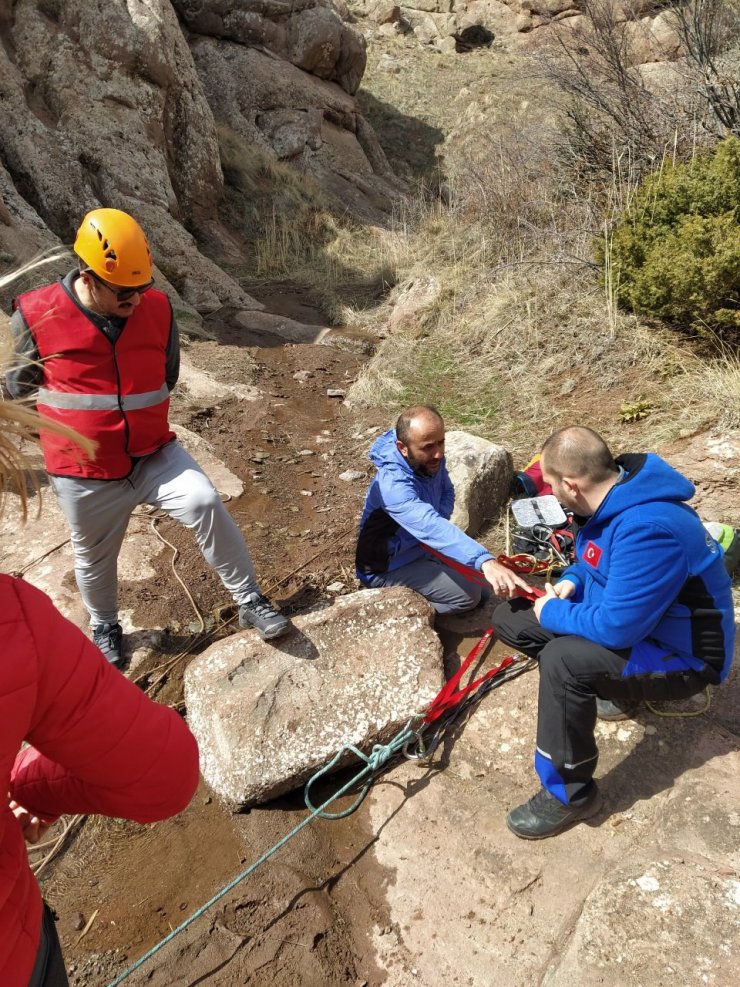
543 530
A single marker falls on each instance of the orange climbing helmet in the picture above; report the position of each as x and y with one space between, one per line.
113 245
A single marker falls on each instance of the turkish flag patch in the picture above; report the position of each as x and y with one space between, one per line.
592 554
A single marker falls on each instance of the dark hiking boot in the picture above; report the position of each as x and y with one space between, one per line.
262 615
615 709
109 638
544 815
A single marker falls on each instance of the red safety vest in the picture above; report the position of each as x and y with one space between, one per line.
112 393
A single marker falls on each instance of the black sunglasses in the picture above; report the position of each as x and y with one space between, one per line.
122 294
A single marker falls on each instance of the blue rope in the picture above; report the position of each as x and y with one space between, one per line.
379 756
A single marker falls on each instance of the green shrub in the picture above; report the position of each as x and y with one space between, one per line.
675 253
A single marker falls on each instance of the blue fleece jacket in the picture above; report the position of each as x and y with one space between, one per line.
649 578
402 510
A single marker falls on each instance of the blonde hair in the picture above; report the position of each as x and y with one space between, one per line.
20 424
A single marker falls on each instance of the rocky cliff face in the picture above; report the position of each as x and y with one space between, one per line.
117 104
451 25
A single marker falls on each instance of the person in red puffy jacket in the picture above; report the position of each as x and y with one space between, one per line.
97 744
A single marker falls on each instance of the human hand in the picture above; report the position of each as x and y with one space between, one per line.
503 581
32 827
549 594
564 588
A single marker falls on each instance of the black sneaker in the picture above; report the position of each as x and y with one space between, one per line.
544 815
262 615
108 638
615 709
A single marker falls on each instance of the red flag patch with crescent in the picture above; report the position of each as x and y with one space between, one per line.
592 554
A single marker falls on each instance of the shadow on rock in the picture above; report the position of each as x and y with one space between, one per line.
403 138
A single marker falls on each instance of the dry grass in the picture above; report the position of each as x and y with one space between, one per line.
525 335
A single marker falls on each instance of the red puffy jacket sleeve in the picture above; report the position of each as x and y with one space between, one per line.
98 743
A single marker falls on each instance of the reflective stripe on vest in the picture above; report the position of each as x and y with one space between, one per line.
101 402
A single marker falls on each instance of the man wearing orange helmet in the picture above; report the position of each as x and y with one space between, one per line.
101 348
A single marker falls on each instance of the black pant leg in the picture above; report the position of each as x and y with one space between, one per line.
515 624
573 672
49 969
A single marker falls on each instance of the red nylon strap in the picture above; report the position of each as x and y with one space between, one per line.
515 563
471 574
450 695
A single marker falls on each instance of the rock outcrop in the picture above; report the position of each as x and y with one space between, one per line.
459 25
108 106
105 107
268 716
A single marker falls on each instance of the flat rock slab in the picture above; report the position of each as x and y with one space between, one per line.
267 716
269 324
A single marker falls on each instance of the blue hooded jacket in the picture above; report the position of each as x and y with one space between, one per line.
402 510
649 578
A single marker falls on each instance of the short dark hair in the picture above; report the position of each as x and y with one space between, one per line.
578 451
406 418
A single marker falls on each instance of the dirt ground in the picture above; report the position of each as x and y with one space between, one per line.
423 884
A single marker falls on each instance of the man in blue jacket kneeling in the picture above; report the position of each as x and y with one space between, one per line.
644 613
408 507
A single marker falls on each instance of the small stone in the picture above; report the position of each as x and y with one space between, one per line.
335 587
79 922
307 493
350 475
207 801
335 392
302 375
306 452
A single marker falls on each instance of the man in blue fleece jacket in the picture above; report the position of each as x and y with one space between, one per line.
644 613
408 506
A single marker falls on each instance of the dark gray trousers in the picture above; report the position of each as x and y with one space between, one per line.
447 590
573 672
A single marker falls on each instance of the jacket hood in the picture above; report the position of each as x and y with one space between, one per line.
648 478
384 452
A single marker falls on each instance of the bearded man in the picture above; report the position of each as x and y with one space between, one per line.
408 506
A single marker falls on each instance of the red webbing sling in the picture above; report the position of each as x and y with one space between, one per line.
450 695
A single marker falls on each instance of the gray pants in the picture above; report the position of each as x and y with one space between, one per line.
448 591
98 513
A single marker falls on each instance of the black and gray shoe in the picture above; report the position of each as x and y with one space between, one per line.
615 709
262 615
109 638
544 815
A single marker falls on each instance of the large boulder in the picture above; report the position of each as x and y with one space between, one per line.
481 473
413 302
267 716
